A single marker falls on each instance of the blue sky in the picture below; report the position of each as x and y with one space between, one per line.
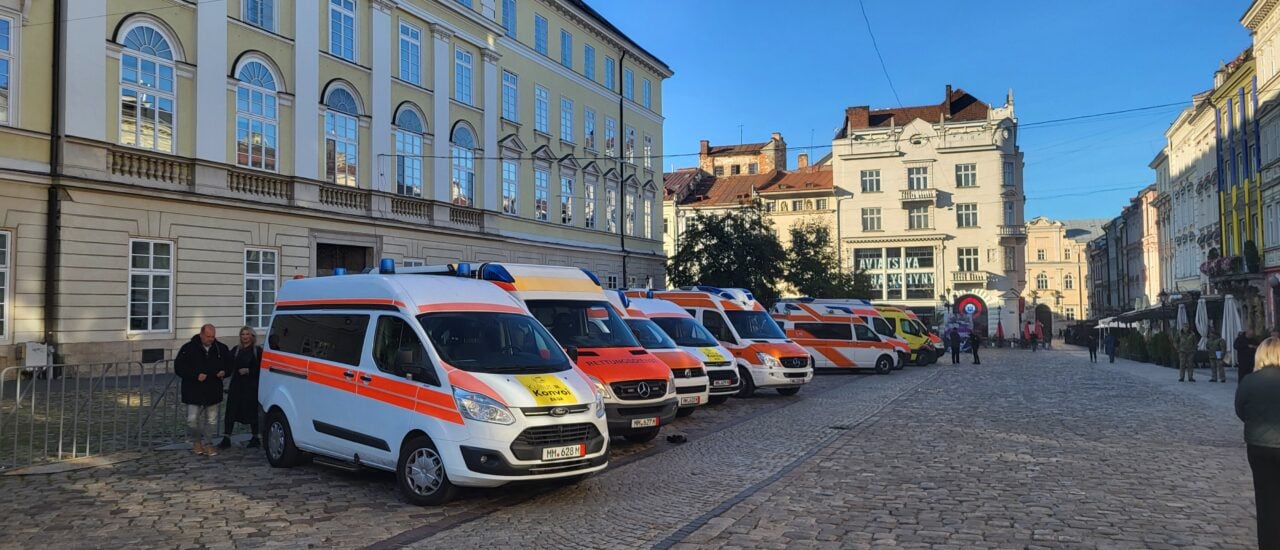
793 67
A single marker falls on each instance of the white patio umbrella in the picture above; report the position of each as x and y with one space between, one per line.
1182 317
1231 325
1202 323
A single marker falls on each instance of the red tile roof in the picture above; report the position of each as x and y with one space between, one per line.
813 178
743 149
674 183
709 191
959 105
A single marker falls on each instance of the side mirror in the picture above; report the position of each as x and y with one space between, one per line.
572 352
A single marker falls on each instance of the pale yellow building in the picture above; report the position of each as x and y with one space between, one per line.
1058 266
187 157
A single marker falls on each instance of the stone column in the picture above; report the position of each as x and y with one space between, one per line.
211 82
441 90
490 193
86 71
306 105
380 34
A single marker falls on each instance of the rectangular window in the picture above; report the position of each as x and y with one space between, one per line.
1010 259
609 71
629 145
510 96
566 200
966 175
870 181
821 204
611 282
1008 213
648 151
150 286
1071 313
541 192
540 34
753 168
967 258
566 48
628 84
646 215
5 262
589 205
871 219
410 54
1040 255
260 13
646 93
967 215
1008 173
509 17
611 209
408 162
797 205
918 177
629 211
919 257
342 29
6 67
920 286
541 110
566 119
735 170
589 127
260 268
610 136
589 62
337 338
718 171
462 76
342 148
918 217
510 186
826 331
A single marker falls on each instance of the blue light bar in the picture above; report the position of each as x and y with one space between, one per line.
339 271
387 265
497 273
594 279
462 270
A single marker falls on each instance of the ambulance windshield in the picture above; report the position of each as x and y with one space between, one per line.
650 335
755 325
493 342
583 323
687 332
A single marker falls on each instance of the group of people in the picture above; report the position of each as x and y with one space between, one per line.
954 342
1034 334
1244 347
1109 346
204 364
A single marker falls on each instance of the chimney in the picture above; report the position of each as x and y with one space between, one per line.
705 147
802 160
858 117
946 104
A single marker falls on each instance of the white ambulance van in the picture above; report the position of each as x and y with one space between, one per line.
690 375
694 338
446 382
835 337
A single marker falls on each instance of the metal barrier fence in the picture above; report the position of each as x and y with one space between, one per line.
61 412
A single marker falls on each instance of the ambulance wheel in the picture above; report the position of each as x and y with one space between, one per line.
748 386
683 412
642 437
281 452
884 364
788 391
420 474
718 399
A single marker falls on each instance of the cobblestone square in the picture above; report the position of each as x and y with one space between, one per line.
1024 451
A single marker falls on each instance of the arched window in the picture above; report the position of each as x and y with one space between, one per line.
462 151
1042 282
256 117
341 137
1068 282
147 90
408 136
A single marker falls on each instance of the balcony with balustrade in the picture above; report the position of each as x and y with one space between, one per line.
1013 232
914 197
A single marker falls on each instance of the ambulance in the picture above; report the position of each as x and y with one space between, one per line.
835 337
690 375
638 389
694 338
765 357
445 382
869 315
923 351
934 338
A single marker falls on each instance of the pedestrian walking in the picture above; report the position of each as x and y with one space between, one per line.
1040 332
1092 342
202 365
1109 344
1188 342
1034 334
1217 348
953 340
1245 351
975 342
1258 405
242 393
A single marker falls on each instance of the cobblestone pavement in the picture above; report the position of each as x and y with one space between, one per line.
1021 452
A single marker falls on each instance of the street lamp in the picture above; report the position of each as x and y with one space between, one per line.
1163 297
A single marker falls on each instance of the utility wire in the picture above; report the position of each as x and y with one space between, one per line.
876 46
1096 115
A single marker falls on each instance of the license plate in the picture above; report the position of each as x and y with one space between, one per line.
568 451
692 400
796 380
644 422
722 383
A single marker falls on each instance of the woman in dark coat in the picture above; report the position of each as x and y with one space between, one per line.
242 396
1258 405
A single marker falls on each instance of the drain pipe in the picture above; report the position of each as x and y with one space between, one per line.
622 176
53 213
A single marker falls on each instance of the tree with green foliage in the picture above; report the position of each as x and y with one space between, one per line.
738 249
812 268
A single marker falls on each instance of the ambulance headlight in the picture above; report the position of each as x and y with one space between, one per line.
671 383
599 405
602 389
768 360
482 408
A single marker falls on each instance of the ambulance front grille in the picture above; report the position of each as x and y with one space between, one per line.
795 362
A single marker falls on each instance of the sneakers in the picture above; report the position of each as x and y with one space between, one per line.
254 443
198 448
1182 380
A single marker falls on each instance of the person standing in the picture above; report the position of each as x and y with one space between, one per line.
1258 405
1217 347
202 365
242 395
1187 344
1109 345
1092 343
1040 333
1035 336
1245 351
953 340
975 341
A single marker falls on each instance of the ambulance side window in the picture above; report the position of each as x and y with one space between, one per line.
715 323
395 342
330 337
827 331
865 334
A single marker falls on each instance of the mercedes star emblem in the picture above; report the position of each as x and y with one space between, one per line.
642 389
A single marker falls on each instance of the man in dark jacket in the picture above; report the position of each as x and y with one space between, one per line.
1245 350
1092 342
202 364
953 340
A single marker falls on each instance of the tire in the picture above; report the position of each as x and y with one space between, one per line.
718 399
684 412
278 442
788 391
642 437
884 364
420 474
748 386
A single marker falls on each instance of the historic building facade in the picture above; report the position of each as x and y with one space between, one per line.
1190 225
937 203
1263 21
185 158
1057 265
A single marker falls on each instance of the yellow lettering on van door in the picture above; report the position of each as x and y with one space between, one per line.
547 390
